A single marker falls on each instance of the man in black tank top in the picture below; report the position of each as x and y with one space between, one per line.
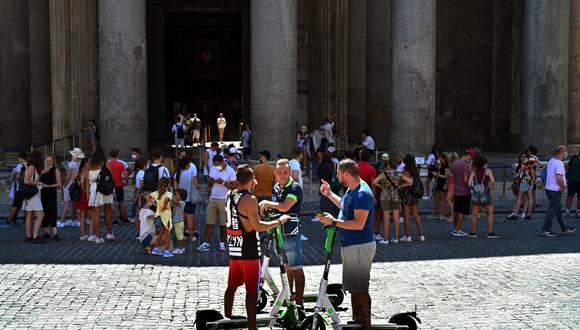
243 224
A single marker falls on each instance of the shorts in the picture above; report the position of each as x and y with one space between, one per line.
524 186
573 189
216 208
461 204
18 199
119 194
245 272
292 252
179 230
66 194
356 266
189 208
390 205
180 142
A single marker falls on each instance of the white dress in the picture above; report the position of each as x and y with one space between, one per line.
34 203
96 199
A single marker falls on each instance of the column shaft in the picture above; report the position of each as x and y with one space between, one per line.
574 75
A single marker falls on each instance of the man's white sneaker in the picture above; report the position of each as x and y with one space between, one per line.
378 237
204 247
384 242
394 241
92 238
422 238
110 237
59 224
83 238
406 239
459 233
99 240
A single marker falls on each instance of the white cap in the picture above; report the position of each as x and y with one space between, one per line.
233 150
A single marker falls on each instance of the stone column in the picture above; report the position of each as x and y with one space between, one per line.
273 47
574 75
156 78
378 68
545 73
412 127
15 72
62 118
40 90
123 74
357 73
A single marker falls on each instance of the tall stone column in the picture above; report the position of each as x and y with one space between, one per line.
357 67
274 68
62 118
412 127
15 72
545 73
574 75
123 74
156 79
40 90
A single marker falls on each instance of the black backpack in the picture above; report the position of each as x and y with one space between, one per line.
151 178
180 131
105 183
417 190
74 191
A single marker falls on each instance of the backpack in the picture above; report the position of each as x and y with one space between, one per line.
417 189
544 174
479 194
151 178
105 183
74 191
180 132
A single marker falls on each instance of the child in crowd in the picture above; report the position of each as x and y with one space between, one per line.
178 206
162 198
147 226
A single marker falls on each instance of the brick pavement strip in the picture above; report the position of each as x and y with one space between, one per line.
535 291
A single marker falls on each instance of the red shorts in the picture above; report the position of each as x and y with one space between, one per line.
245 272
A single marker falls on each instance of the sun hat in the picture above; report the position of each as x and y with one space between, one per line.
77 153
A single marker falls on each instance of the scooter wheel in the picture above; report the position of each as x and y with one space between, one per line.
262 300
202 317
307 324
404 319
336 289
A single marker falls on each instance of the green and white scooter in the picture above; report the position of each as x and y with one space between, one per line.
284 312
325 314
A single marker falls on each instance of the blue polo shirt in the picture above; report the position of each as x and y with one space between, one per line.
360 198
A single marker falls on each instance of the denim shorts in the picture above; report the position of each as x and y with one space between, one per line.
524 186
293 251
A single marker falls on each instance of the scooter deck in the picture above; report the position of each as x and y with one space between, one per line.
385 326
262 321
313 297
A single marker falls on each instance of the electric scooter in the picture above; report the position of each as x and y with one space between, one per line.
319 321
284 311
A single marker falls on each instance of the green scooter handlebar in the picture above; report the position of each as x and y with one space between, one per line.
330 235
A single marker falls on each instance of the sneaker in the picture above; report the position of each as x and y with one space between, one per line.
83 238
77 223
156 252
115 222
394 241
186 234
99 240
406 239
577 213
473 235
303 238
167 254
378 237
56 238
222 247
569 230
512 217
59 224
421 238
548 233
110 237
384 242
132 220
492 235
69 223
459 233
566 213
92 238
204 247
195 237
523 216
177 251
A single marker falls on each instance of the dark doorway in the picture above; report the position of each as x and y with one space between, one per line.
203 63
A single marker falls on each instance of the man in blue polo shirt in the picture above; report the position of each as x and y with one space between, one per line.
287 198
354 225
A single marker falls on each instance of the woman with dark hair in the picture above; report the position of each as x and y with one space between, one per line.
33 205
326 171
83 204
50 177
482 183
98 200
410 203
432 168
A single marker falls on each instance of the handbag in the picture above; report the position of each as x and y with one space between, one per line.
28 191
516 185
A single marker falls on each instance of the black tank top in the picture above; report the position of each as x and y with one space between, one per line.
242 245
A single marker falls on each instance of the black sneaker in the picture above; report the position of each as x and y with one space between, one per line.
512 217
548 233
115 222
473 235
492 235
569 230
56 238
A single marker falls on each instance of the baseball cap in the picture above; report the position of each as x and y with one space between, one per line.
385 156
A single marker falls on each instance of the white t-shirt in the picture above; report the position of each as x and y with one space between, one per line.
193 169
185 183
211 154
147 225
555 167
139 178
295 166
219 191
74 166
327 128
369 143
